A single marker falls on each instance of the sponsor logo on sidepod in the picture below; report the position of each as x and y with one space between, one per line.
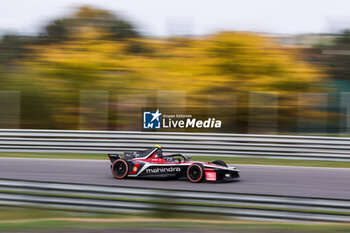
163 169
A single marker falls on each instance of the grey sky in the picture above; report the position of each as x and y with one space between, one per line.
160 17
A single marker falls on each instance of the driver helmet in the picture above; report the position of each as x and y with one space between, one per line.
159 152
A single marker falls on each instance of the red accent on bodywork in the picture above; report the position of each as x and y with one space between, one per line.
156 160
152 159
210 174
135 168
139 159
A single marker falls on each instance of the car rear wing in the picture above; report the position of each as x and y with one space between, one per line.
113 157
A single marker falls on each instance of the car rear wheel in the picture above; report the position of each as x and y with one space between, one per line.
219 162
120 169
195 173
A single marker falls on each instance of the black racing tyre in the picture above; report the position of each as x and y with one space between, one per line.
195 173
220 162
120 169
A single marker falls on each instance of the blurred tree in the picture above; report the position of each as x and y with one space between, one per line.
14 47
223 65
57 31
338 57
78 64
95 50
116 28
343 40
248 62
233 64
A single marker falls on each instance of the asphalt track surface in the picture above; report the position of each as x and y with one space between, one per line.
255 179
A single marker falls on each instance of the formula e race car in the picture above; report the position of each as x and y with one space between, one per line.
153 163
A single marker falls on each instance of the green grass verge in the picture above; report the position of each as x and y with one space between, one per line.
177 225
15 212
238 160
37 219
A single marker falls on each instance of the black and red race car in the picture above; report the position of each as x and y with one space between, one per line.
153 163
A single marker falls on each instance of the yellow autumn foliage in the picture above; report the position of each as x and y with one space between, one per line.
221 66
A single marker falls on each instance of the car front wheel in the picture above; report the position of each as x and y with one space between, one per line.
195 173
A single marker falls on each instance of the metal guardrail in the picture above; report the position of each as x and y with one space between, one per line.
204 144
114 199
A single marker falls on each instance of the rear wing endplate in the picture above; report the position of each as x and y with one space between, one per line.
113 157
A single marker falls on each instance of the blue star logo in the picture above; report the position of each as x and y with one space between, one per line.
151 120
